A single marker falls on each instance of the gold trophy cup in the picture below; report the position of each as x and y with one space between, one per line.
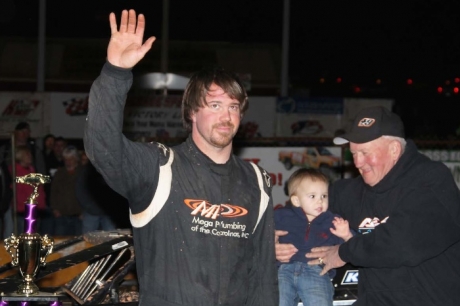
29 250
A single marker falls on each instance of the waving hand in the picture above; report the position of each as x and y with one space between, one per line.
125 48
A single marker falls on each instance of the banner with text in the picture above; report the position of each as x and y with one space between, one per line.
22 106
451 158
68 114
319 117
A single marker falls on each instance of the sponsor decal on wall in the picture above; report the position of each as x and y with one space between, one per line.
319 117
68 114
22 106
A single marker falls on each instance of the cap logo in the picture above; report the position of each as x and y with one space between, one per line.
366 122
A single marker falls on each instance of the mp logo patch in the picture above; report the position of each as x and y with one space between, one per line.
366 122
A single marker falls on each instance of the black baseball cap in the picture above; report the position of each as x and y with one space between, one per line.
372 123
21 126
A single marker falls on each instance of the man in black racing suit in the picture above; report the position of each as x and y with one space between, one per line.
202 218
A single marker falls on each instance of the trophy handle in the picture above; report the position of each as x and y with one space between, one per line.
47 248
11 244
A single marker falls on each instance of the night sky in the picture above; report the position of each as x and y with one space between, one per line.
359 41
351 39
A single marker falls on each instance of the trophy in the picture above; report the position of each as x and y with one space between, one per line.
29 250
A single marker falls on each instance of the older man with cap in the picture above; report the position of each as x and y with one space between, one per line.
407 209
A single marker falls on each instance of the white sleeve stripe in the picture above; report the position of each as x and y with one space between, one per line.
264 198
161 196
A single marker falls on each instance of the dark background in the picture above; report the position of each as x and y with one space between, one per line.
352 39
359 41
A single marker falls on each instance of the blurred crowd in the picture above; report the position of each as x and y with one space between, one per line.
75 202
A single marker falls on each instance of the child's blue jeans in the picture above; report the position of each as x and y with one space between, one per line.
298 280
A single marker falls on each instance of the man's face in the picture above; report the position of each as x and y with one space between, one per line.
373 159
59 146
22 135
49 143
216 122
70 163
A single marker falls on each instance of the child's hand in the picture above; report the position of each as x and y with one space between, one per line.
341 228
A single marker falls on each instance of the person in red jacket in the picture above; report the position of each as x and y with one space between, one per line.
24 166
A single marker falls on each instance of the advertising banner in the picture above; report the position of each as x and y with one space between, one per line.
451 158
68 114
308 117
151 116
281 162
148 116
156 116
145 116
22 106
259 119
319 117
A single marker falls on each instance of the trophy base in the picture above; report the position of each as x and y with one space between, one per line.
28 288
40 296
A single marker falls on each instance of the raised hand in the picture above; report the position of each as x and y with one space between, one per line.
125 48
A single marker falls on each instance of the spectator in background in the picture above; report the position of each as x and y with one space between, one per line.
22 137
99 202
55 159
52 150
47 150
6 196
64 203
83 158
23 191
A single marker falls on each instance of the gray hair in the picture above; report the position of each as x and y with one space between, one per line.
402 141
71 151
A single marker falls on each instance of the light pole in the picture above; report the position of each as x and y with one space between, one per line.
41 46
284 92
165 41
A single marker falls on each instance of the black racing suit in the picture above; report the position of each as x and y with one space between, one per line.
203 232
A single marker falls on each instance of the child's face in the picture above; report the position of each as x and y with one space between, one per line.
311 196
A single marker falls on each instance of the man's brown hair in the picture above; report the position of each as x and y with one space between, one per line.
199 85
